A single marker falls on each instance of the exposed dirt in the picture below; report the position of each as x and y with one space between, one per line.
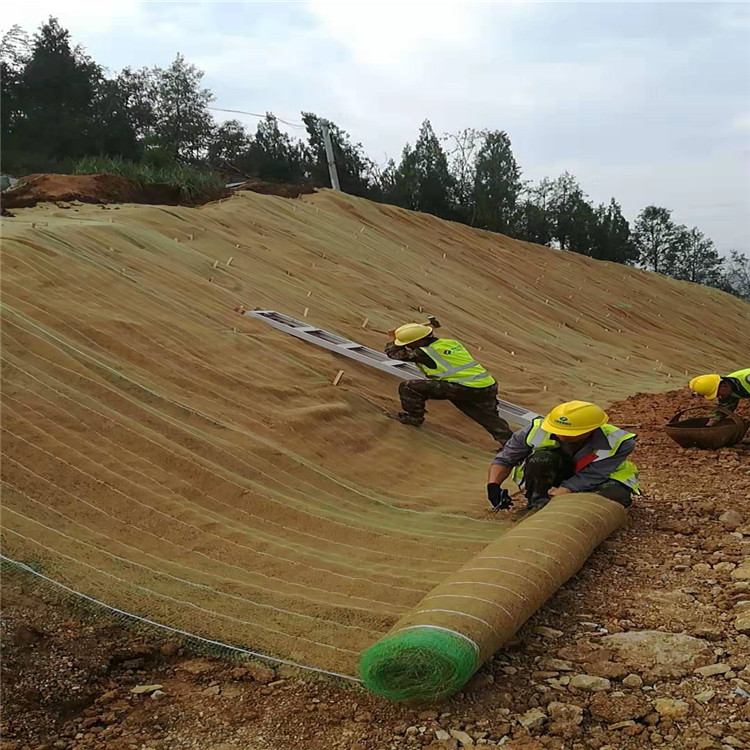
67 680
87 188
281 189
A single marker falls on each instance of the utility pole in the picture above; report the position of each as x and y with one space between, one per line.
329 155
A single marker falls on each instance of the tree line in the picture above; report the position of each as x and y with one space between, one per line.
59 107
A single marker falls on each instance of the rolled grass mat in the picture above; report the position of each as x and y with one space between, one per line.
421 662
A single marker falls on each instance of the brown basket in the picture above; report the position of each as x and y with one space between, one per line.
693 432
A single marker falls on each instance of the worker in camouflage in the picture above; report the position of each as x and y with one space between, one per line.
452 374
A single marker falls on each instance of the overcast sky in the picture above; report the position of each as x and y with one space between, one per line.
648 102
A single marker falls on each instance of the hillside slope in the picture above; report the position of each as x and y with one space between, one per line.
176 461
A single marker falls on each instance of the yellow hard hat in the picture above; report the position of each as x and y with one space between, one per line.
410 333
706 385
574 418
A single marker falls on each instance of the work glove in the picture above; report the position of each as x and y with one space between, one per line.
499 498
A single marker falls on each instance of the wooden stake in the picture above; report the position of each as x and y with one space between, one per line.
365 322
339 375
190 236
216 264
309 294
231 258
210 279
304 314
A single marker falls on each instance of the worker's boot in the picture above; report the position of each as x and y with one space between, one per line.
536 502
405 418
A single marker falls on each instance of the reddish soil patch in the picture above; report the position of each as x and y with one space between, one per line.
87 188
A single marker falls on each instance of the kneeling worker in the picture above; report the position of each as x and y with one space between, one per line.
452 374
729 390
572 449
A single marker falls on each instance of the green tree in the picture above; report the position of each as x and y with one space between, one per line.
611 236
654 237
737 275
534 221
53 98
15 50
571 214
354 169
274 155
229 145
181 124
423 180
462 150
497 184
693 257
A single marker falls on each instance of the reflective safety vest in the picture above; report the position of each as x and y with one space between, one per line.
455 364
743 376
626 472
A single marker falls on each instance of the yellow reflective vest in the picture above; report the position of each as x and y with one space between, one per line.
626 472
743 377
455 364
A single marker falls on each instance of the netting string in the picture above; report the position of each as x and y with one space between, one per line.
185 633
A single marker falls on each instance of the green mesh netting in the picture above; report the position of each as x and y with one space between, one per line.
418 663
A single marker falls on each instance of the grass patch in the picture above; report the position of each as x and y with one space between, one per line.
196 185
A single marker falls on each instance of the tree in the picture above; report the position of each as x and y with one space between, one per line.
274 155
229 144
423 181
15 50
737 275
182 125
52 98
462 166
535 216
694 258
353 167
570 214
654 237
611 236
497 184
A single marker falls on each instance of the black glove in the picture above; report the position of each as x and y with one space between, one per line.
499 498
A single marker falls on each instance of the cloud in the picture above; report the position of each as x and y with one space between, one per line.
83 16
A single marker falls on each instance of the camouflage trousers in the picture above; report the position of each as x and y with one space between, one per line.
549 467
478 403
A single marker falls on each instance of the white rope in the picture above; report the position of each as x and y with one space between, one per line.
91 599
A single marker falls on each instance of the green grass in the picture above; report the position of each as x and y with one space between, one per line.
196 186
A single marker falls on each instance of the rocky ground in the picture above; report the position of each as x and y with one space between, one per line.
649 645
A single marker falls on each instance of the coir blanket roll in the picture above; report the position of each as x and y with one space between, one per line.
433 650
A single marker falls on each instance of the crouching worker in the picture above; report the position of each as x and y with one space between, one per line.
729 390
452 374
572 449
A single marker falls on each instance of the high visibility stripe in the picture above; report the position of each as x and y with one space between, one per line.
626 472
470 373
744 378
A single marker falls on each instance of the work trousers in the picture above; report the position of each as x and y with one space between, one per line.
478 403
549 467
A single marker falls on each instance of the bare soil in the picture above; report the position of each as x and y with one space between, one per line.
87 188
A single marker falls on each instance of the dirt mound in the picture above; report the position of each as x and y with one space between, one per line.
86 188
281 189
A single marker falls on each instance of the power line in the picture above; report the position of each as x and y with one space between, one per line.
255 114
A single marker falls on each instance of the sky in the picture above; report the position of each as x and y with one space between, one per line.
648 102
